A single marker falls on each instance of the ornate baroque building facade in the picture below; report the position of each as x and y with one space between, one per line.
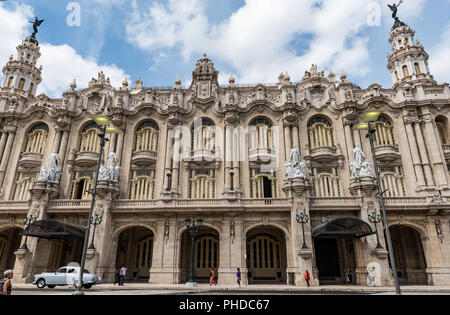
219 152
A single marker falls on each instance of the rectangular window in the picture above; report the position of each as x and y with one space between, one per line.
142 185
82 185
24 182
325 182
393 181
202 184
263 184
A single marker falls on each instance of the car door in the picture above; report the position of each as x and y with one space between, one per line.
59 278
72 276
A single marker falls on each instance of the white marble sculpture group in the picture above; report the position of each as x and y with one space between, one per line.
112 172
53 173
360 167
296 168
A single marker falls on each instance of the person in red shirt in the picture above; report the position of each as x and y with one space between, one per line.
307 277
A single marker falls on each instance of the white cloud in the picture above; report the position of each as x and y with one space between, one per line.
439 56
61 63
256 39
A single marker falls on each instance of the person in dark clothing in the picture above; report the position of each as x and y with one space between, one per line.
238 276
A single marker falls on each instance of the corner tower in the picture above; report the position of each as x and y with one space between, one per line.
20 75
408 62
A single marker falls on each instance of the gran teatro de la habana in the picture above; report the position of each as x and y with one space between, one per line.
280 176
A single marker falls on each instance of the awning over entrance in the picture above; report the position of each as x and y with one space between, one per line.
52 229
343 228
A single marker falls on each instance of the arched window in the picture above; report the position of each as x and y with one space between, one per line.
202 184
441 125
417 68
384 135
31 88
261 134
203 135
325 182
10 82
405 71
89 139
82 184
147 137
36 139
392 181
22 185
320 133
263 185
21 84
142 185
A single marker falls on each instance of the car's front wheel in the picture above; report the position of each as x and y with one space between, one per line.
40 283
87 286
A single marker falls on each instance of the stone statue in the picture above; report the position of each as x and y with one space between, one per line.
53 173
36 23
394 9
112 172
54 168
296 168
359 166
373 274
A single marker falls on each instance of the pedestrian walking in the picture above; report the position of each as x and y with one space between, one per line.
307 277
211 277
349 278
123 275
238 276
6 284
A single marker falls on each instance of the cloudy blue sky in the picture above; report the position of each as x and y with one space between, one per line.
254 40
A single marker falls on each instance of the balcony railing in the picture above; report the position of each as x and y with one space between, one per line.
144 157
69 203
14 205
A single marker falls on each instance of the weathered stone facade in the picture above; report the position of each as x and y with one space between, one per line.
225 148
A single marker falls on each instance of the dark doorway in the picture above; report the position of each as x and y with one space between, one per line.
267 187
409 256
327 260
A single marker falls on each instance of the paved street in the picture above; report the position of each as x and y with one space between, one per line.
204 289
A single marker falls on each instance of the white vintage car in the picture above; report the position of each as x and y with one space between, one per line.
65 276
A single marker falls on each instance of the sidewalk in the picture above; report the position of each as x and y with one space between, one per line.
256 288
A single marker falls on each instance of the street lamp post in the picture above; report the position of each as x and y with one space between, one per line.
104 122
303 219
28 221
95 221
369 119
375 219
232 179
169 181
193 229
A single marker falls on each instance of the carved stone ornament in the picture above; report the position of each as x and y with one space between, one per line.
296 168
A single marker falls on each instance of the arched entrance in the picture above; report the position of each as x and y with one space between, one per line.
135 251
64 251
409 255
206 254
9 243
334 248
266 255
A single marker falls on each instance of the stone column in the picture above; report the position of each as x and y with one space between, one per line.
120 147
296 138
415 154
349 138
63 147
176 161
112 147
168 163
357 139
57 142
7 153
435 153
424 155
228 155
287 141
3 143
236 160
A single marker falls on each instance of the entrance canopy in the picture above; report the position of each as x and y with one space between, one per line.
52 229
343 228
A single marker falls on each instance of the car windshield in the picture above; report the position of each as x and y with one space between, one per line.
86 271
61 270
